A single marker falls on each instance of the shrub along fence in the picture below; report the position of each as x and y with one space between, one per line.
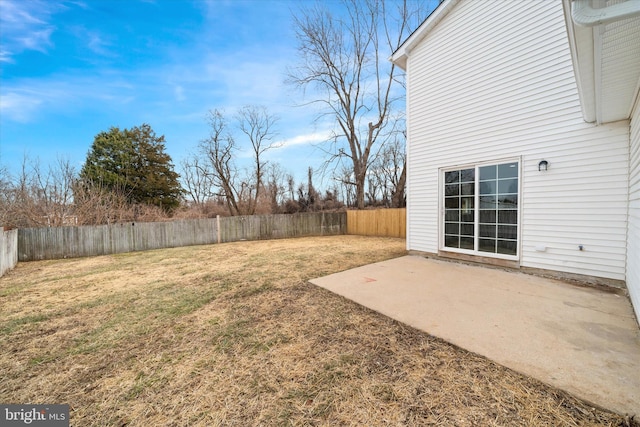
379 222
70 242
8 250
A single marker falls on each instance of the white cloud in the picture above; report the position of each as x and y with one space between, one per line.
305 139
36 40
25 26
19 107
98 44
17 13
5 56
178 92
22 101
248 81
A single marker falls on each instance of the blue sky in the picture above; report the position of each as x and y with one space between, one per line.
73 68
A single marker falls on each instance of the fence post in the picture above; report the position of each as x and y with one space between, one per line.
8 250
218 228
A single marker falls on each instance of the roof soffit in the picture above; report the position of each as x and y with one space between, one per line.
606 59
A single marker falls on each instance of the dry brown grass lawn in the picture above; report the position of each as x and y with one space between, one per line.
233 334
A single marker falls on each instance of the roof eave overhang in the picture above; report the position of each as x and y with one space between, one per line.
584 25
401 55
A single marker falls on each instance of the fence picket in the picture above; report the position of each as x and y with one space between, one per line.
379 222
31 244
71 242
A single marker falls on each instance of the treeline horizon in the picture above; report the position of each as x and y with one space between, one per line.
107 191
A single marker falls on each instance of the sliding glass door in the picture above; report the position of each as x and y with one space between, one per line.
481 209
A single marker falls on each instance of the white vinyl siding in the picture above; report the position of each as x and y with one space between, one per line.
633 238
495 80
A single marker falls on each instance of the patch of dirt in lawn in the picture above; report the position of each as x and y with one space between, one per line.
233 334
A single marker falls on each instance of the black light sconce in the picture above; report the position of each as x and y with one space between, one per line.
543 165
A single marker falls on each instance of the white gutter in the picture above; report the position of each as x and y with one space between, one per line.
582 59
584 15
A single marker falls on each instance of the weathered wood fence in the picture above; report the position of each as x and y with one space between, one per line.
70 242
8 250
379 222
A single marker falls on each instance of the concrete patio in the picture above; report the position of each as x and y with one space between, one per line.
582 340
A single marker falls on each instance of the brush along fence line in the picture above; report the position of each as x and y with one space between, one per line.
8 250
379 222
72 242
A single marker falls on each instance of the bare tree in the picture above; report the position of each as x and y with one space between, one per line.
96 203
54 195
275 186
345 178
258 126
55 192
23 206
6 192
309 199
291 185
241 190
346 61
219 151
196 176
374 188
389 172
39 196
395 168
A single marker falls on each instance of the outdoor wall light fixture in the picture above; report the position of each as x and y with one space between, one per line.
542 166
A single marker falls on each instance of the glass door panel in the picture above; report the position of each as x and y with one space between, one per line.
487 221
498 208
459 200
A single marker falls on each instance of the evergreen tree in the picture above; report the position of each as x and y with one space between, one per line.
133 162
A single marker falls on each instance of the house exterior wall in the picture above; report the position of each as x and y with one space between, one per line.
633 238
494 81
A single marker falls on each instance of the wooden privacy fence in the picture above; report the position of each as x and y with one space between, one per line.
8 250
71 242
31 244
379 222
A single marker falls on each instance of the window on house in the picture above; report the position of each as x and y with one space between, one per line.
481 209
